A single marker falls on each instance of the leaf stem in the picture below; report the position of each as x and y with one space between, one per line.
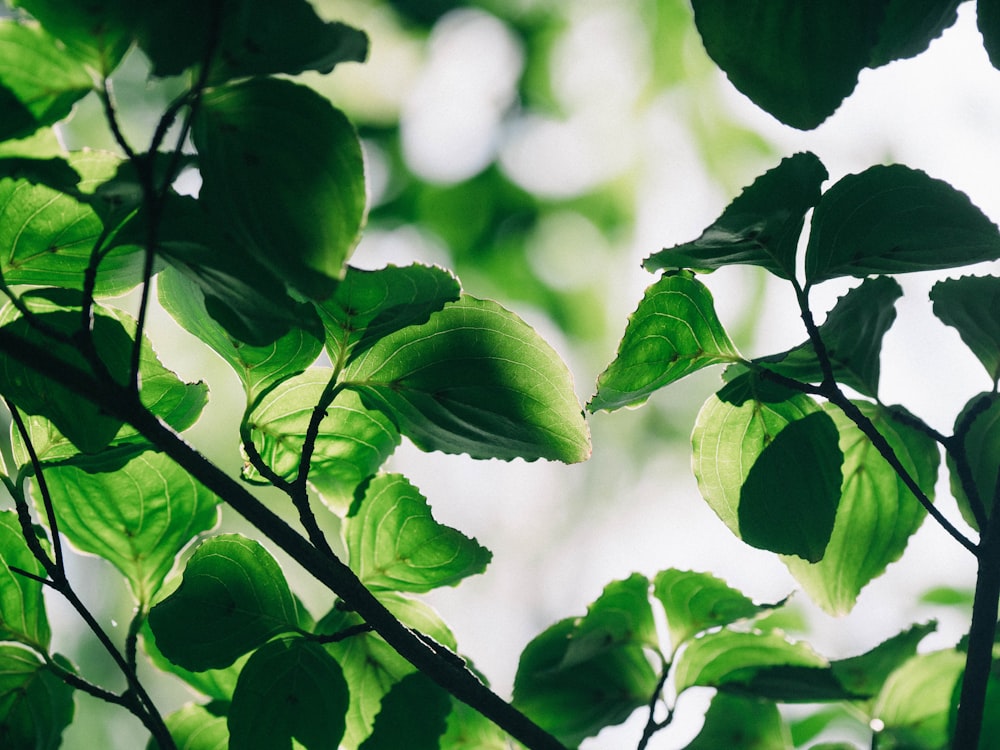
652 725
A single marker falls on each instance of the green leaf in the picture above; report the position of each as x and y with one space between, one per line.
413 715
797 61
673 333
866 674
474 379
470 730
695 602
877 514
394 543
910 26
982 448
584 674
42 79
97 32
761 227
22 608
734 722
217 684
369 305
969 305
915 701
233 598
353 442
195 727
297 211
852 334
988 20
893 219
35 704
291 688
138 516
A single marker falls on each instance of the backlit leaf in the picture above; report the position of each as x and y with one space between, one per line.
217 684
22 608
413 715
877 514
760 228
97 32
745 723
867 673
910 26
916 700
290 688
35 704
893 219
470 730
982 448
969 305
394 543
673 333
194 727
474 379
233 597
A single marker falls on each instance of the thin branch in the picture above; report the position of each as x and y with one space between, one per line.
652 725
341 635
111 115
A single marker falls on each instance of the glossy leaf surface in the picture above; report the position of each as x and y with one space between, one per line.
969 305
673 333
240 597
474 379
748 724
22 608
35 704
760 228
413 715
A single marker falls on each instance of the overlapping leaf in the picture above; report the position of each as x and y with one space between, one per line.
394 543
413 715
35 704
916 701
22 608
217 684
866 674
97 32
982 449
877 514
195 727
233 597
988 20
893 219
470 730
749 724
969 305
474 379
761 227
673 333
909 26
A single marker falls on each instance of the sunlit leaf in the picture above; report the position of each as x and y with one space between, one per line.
138 516
760 228
290 688
298 211
982 448
233 597
867 673
217 684
22 608
673 333
195 727
893 219
969 305
353 442
915 701
394 543
695 602
98 32
910 26
748 724
852 335
877 514
35 704
470 730
474 379
413 715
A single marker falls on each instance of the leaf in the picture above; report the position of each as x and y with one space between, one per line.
470 730
35 704
982 449
195 727
969 305
353 442
233 597
761 227
138 516
852 335
291 688
41 78
910 26
866 674
915 701
695 602
893 219
988 20
877 514
369 305
22 607
97 32
413 715
744 723
673 333
776 493
297 211
797 61
217 684
394 543
474 379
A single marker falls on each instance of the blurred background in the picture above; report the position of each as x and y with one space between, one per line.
541 149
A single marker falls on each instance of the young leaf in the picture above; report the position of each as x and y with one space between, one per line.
982 448
893 219
797 61
233 598
394 543
673 333
866 674
35 704
97 32
353 442
195 727
916 700
291 688
474 379
297 211
969 305
877 514
696 602
852 334
760 228
22 608
138 516
748 724
767 462
413 715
